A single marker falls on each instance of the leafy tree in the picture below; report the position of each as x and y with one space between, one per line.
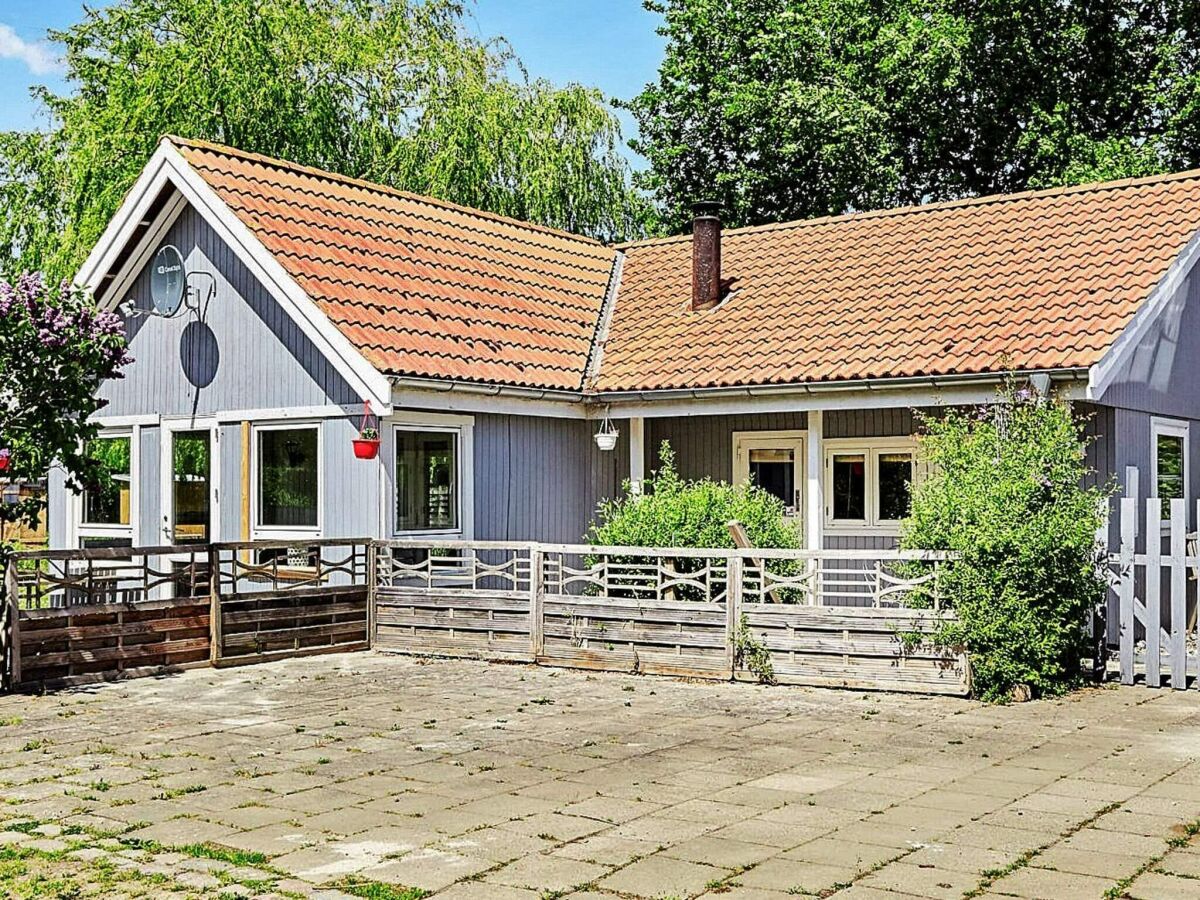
1005 493
55 350
785 109
394 91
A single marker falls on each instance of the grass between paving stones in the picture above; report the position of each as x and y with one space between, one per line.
377 890
82 838
1118 890
991 876
27 873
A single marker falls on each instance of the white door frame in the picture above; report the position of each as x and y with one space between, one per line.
745 441
167 473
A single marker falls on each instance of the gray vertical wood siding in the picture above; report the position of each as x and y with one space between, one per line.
703 445
541 478
246 353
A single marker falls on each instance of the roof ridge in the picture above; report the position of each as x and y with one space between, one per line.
918 208
325 174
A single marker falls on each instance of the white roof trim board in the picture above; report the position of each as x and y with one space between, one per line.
167 165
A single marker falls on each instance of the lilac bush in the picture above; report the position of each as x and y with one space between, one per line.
56 347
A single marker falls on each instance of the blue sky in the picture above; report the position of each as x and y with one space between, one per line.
610 44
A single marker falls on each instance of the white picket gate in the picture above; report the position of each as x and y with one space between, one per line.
1156 571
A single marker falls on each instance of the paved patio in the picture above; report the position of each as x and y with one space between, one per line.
333 776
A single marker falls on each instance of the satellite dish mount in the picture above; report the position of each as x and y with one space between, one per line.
169 287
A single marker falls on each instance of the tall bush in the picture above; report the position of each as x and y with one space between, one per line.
1007 493
675 512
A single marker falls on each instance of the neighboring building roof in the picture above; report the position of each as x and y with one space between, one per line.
421 287
1041 280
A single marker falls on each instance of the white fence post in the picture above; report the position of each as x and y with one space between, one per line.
1178 593
1153 621
733 609
1125 591
537 602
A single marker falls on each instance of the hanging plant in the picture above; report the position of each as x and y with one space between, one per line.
5 460
366 445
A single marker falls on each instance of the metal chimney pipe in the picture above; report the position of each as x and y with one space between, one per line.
706 255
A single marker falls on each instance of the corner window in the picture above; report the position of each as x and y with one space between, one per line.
427 479
109 501
1169 444
868 483
288 478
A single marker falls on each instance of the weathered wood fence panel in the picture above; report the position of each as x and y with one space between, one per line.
274 600
857 647
455 600
682 612
70 643
1154 575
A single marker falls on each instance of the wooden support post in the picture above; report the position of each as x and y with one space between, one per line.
1178 593
733 610
1153 621
372 588
1125 589
12 599
637 453
214 604
537 602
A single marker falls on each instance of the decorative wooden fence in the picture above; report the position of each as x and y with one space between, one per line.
1155 574
77 615
673 611
860 619
73 616
274 599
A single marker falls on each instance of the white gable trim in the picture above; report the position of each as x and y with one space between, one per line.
1116 358
168 165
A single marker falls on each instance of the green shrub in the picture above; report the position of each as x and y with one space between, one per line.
674 512
1005 492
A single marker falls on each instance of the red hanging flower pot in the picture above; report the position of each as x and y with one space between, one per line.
5 460
366 445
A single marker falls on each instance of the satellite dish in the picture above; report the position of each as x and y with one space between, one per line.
168 280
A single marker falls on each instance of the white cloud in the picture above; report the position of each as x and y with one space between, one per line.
37 55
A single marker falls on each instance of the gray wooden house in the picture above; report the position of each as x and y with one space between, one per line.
491 351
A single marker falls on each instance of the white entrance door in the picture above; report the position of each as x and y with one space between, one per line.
190 466
773 460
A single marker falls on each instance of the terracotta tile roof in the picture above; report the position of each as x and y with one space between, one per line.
420 287
1029 281
1042 280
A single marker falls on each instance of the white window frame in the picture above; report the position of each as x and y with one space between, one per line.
745 441
870 449
1161 426
84 529
260 532
166 465
460 478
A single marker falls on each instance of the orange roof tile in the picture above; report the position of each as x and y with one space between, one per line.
1041 280
421 287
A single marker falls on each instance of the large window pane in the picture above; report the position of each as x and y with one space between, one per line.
850 486
192 493
107 502
426 480
1170 468
895 485
775 472
287 478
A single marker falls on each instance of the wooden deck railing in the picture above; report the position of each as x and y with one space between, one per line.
859 618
